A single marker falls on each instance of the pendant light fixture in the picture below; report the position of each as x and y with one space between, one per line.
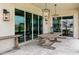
55 14
46 12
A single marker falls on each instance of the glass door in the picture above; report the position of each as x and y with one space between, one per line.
63 24
57 24
40 25
28 26
67 26
19 24
35 26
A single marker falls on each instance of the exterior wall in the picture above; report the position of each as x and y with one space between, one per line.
46 25
6 28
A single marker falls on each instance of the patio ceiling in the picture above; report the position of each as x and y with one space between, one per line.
60 6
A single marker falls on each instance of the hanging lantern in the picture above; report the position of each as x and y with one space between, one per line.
55 15
46 12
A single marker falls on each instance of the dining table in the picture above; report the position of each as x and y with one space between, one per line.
47 39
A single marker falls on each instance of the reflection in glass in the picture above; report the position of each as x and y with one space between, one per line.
19 24
28 26
40 24
63 24
35 25
56 24
67 25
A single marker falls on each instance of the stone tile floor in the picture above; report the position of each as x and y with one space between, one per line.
68 46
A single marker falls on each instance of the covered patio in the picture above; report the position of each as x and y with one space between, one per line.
22 24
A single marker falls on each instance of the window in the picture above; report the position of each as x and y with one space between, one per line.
28 26
40 24
63 24
35 25
19 24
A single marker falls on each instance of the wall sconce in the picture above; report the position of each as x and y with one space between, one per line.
6 15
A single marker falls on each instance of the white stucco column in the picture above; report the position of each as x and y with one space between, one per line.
45 26
76 24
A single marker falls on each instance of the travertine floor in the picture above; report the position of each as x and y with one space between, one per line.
66 47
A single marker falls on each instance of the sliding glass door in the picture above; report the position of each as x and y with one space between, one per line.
57 24
40 25
67 25
35 26
24 25
19 24
28 26
63 24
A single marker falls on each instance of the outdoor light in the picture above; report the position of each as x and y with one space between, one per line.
46 13
6 15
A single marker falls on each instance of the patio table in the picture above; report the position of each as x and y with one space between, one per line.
48 39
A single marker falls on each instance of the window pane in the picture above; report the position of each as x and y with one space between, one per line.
35 25
56 24
19 24
28 26
40 24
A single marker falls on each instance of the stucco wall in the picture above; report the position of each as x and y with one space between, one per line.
76 24
6 28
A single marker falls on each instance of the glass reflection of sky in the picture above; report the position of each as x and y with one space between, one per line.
19 19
